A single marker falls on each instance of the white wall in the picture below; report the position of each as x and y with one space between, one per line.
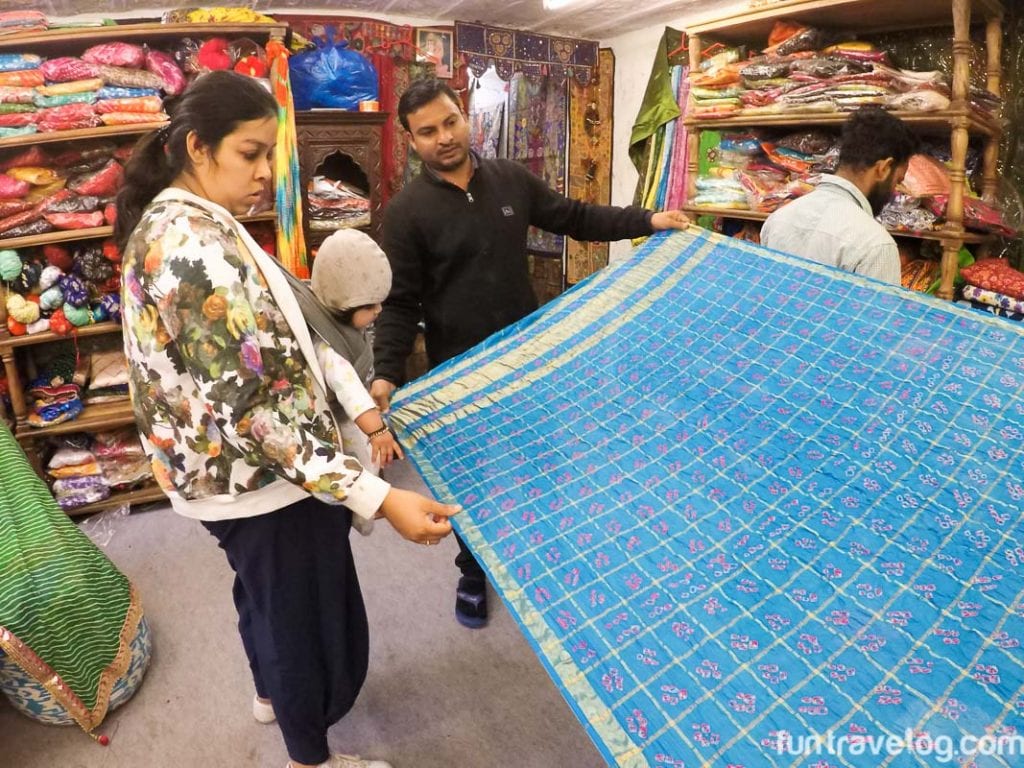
634 55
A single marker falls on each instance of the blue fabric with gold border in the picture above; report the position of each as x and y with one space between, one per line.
736 499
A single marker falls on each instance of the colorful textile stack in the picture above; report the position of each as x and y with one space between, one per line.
994 283
68 187
21 22
994 302
794 76
733 497
76 476
55 395
108 377
122 460
336 205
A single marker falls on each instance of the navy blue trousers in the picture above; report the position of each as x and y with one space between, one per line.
300 615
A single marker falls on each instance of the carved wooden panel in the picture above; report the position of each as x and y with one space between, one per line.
357 135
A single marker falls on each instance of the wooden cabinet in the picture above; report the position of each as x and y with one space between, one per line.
345 146
860 18
14 350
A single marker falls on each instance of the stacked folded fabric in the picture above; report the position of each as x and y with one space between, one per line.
122 460
336 205
76 475
55 394
795 75
108 377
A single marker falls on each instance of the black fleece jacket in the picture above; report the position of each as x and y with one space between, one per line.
459 261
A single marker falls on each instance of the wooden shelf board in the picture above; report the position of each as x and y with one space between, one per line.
966 237
57 236
926 121
148 32
144 495
862 16
265 216
92 418
102 132
97 329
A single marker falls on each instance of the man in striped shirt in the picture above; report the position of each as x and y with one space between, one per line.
835 224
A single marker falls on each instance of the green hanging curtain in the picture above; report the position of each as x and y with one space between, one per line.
659 105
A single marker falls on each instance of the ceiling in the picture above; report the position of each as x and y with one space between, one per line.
593 19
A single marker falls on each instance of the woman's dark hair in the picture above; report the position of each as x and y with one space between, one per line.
872 134
420 93
212 106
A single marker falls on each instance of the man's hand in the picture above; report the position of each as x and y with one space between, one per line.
381 391
669 220
416 517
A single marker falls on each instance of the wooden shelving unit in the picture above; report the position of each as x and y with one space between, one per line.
735 213
102 416
862 17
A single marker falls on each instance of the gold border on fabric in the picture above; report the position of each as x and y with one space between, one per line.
518 354
30 663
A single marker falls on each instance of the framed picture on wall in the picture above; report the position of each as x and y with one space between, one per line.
434 45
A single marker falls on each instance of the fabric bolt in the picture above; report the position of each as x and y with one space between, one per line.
729 495
994 299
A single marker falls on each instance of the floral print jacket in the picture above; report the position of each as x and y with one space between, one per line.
222 387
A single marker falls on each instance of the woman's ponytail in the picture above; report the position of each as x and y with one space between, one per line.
146 174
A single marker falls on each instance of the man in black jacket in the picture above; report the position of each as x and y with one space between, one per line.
456 240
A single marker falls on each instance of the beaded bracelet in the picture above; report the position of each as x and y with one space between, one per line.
378 432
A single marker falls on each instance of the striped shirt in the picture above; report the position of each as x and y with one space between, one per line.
833 225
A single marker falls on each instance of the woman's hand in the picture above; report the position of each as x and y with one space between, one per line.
416 517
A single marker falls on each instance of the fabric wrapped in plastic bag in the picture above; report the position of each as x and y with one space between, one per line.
132 118
812 142
148 104
14 61
34 175
121 92
17 119
12 188
59 100
162 65
332 75
22 77
103 182
46 191
75 220
71 86
72 204
116 54
67 118
130 78
11 207
65 69
81 153
39 226
15 94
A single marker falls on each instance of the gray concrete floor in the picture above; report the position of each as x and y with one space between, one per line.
437 695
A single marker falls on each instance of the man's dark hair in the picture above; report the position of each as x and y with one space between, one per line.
872 134
420 93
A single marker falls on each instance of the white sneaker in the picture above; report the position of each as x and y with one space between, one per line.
350 761
263 713
353 761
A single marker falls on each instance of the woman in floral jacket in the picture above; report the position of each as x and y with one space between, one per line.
231 405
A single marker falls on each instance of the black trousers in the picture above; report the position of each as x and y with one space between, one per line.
300 615
466 563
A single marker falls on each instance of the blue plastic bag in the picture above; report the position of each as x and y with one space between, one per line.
331 76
